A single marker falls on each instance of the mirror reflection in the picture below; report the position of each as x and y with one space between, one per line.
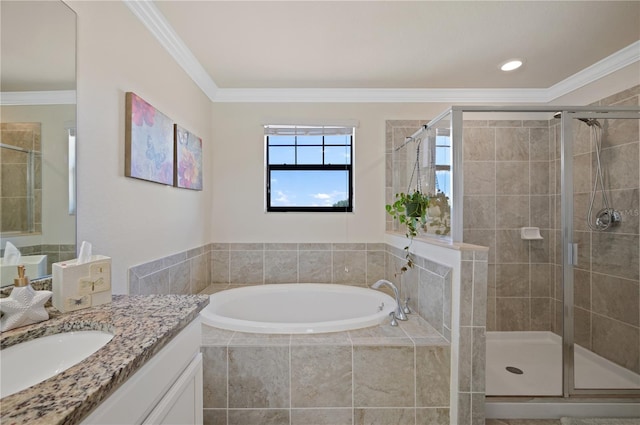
37 123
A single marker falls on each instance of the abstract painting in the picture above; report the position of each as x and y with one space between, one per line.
149 150
188 159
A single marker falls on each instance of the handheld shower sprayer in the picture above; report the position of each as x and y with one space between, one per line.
607 216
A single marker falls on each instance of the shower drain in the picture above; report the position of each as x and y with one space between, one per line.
514 370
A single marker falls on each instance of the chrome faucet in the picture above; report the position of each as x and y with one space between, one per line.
399 312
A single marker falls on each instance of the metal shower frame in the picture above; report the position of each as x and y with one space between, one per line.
569 113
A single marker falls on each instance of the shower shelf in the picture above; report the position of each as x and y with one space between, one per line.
530 233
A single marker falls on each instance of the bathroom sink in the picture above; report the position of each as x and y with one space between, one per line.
31 362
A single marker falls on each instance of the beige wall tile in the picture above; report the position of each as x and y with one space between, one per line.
381 374
582 327
512 144
363 416
432 416
512 211
315 266
349 267
321 376
180 278
220 261
258 417
510 248
246 267
616 341
616 254
479 144
281 266
431 298
479 178
479 211
375 266
321 416
512 178
616 298
258 377
215 417
433 366
512 314
214 367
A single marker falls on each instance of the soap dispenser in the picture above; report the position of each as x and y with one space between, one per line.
24 305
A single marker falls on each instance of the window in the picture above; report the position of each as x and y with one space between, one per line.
309 168
443 162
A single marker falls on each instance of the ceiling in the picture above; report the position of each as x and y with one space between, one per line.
365 50
397 44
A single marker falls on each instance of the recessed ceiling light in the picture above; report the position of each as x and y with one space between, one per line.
511 65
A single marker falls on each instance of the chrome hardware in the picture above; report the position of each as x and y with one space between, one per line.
381 307
406 308
399 313
394 322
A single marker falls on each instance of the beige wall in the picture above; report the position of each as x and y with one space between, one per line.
238 212
132 221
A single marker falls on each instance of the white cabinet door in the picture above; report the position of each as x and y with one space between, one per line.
142 393
182 405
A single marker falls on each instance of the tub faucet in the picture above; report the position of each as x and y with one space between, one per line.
399 312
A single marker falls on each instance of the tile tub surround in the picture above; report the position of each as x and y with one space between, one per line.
190 272
429 285
263 263
187 272
380 374
142 326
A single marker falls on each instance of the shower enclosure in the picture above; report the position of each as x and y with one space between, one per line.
554 193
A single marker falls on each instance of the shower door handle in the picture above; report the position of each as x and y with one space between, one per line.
573 254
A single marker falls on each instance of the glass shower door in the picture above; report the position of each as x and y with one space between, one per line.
601 262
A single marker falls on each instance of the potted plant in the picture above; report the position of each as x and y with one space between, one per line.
410 209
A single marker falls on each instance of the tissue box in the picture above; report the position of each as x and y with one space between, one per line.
77 286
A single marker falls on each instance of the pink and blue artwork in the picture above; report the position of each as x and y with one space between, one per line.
188 159
149 147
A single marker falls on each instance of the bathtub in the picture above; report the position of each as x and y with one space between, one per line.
297 308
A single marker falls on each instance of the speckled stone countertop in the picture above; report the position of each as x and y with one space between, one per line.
142 326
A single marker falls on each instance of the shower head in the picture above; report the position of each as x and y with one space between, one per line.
589 121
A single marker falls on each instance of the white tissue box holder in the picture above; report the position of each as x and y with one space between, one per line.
77 286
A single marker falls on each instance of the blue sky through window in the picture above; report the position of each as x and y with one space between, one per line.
308 188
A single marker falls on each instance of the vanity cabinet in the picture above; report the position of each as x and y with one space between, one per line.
166 390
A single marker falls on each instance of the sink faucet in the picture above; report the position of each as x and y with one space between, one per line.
399 312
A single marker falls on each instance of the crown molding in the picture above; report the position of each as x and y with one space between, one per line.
382 95
160 28
58 97
155 22
615 62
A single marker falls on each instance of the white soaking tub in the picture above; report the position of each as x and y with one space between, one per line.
297 308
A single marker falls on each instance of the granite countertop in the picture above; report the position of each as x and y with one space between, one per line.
142 326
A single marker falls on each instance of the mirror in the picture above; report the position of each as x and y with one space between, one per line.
38 122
